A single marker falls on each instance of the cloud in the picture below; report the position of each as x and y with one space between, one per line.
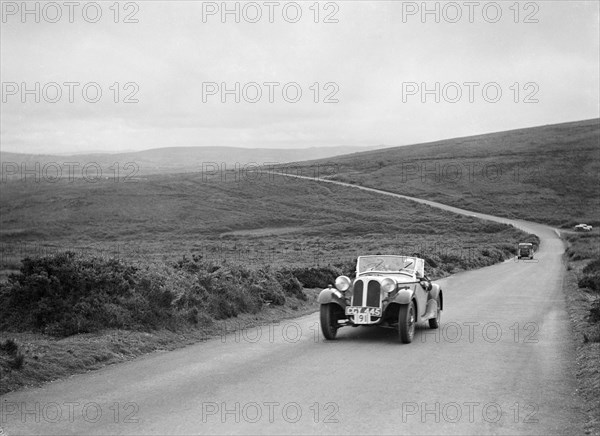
364 61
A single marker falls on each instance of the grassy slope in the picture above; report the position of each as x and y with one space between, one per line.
544 174
267 221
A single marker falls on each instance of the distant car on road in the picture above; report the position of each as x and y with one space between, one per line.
525 250
583 228
388 291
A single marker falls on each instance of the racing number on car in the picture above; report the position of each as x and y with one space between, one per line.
362 318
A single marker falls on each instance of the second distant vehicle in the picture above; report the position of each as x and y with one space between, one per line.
525 250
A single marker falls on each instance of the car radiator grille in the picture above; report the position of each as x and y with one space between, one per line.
372 297
357 296
373 293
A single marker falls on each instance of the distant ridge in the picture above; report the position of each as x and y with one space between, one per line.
183 159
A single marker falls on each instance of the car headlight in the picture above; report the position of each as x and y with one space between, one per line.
342 283
388 285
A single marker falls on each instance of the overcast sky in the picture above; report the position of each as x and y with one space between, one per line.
375 61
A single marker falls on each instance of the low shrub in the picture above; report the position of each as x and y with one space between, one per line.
318 277
291 285
593 267
65 294
16 358
347 268
9 346
591 282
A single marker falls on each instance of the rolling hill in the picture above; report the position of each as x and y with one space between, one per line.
546 174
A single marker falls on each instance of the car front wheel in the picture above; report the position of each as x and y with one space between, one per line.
406 322
328 321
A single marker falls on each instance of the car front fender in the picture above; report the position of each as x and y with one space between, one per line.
404 296
331 295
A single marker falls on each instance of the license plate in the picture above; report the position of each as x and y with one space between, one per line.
359 310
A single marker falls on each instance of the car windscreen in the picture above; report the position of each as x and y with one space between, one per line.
386 264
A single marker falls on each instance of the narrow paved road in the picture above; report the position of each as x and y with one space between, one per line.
502 363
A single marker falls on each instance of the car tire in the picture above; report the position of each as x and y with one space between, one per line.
406 322
434 323
328 321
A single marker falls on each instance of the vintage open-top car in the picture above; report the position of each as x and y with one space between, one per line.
388 291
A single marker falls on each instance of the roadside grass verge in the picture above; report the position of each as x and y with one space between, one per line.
581 287
68 313
48 358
